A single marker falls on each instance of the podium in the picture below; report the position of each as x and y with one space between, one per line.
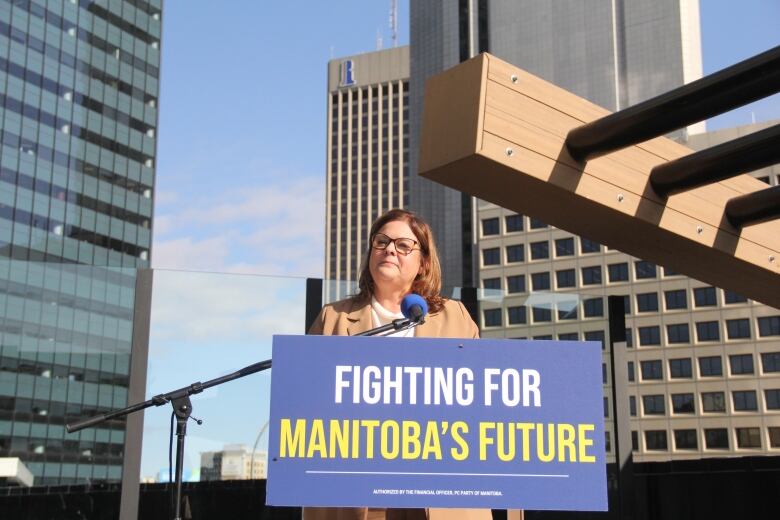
437 423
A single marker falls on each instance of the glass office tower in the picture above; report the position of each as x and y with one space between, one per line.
79 84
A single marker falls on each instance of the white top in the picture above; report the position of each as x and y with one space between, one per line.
381 316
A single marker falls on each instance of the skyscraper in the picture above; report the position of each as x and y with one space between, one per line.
79 84
367 157
614 53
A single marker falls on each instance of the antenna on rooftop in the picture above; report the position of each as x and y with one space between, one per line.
378 39
394 21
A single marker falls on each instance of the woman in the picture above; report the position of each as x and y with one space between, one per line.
401 258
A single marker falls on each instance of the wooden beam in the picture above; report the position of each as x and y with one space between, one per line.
497 132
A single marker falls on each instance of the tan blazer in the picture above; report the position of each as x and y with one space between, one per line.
349 317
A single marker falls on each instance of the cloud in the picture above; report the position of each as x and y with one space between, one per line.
276 229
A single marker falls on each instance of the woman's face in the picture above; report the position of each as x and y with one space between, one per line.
390 269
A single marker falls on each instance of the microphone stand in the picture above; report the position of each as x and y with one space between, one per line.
395 326
182 407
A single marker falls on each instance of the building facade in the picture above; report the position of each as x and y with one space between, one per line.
79 85
703 363
367 155
234 462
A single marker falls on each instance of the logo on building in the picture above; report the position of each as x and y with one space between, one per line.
347 73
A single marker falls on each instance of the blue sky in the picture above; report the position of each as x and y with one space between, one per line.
240 183
241 153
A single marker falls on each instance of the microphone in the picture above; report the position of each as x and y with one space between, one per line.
414 307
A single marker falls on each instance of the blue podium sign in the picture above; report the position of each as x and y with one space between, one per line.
429 422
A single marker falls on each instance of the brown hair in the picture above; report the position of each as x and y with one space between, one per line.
428 281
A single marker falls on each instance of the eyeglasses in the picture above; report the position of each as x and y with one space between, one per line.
403 245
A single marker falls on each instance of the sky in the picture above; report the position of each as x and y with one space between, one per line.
241 178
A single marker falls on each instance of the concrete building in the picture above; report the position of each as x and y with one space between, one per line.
233 462
367 154
79 84
704 364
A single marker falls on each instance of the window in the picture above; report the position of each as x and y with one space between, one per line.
744 400
541 314
606 406
655 440
595 335
565 278
738 329
676 299
670 272
591 275
540 250
774 437
769 326
517 315
540 281
748 438
567 310
492 317
707 331
634 440
772 397
651 370
490 226
491 256
644 270
514 223
682 403
632 405
618 272
607 442
716 438
491 283
589 246
626 304
680 368
537 223
685 440
564 247
741 364
515 283
732 297
573 336
713 402
653 404
647 302
515 253
631 375
629 338
593 307
710 366
649 336
704 297
678 333
544 337
770 361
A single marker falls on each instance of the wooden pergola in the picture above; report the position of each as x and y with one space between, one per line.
496 132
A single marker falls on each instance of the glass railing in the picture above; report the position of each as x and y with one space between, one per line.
71 335
203 326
